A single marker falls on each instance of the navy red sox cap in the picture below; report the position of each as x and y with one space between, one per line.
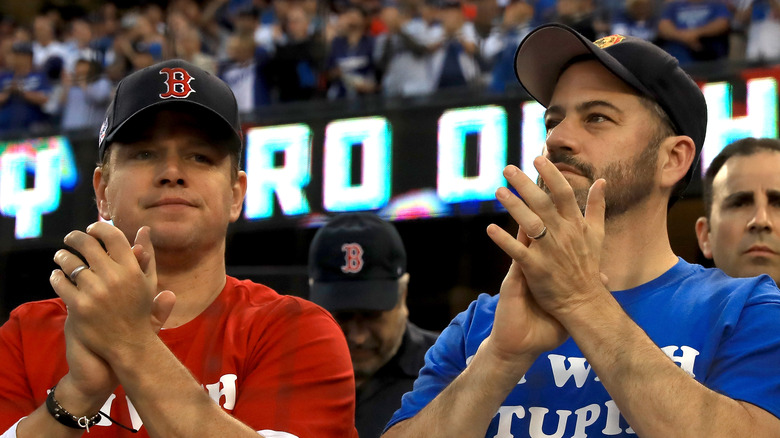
169 83
355 261
548 50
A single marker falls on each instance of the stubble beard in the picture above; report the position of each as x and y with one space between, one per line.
628 182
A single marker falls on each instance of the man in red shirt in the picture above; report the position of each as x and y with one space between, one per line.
149 330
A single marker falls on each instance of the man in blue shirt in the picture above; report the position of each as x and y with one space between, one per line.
599 328
23 91
695 30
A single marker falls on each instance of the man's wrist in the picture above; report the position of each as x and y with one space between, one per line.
584 300
77 401
588 309
506 367
66 418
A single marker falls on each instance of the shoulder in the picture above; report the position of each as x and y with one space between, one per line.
38 318
256 294
256 300
40 309
710 288
480 310
469 328
718 282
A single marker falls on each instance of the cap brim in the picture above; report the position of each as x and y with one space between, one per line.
547 50
355 295
198 107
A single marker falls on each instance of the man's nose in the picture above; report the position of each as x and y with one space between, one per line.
564 137
171 172
356 332
761 220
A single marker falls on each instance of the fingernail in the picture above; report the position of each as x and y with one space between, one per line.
510 171
502 193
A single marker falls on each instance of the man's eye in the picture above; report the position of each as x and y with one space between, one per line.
736 203
142 155
200 158
598 118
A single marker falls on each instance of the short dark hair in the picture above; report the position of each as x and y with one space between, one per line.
744 147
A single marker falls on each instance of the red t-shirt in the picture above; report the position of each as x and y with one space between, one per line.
274 362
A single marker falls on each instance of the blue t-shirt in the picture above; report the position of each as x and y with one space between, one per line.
625 24
17 114
762 10
544 11
357 60
723 331
691 15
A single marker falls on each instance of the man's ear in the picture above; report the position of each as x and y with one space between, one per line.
679 153
99 183
239 191
703 236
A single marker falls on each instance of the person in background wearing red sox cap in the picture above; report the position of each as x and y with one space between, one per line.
599 329
149 332
357 271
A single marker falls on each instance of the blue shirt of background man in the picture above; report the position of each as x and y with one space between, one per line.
690 15
624 24
721 330
503 72
17 114
762 10
357 60
544 11
451 71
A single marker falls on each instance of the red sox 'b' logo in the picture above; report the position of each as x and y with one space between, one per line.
353 258
178 82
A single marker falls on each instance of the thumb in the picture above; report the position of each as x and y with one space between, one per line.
162 306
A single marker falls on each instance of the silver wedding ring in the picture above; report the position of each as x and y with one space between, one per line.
75 273
540 235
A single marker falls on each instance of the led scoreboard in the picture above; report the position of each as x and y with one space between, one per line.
434 158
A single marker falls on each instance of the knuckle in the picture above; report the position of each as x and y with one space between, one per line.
535 227
68 257
112 280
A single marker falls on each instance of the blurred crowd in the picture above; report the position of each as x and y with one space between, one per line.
58 70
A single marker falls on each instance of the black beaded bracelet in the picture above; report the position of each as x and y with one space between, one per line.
66 418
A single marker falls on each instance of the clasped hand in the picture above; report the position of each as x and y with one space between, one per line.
552 275
113 306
